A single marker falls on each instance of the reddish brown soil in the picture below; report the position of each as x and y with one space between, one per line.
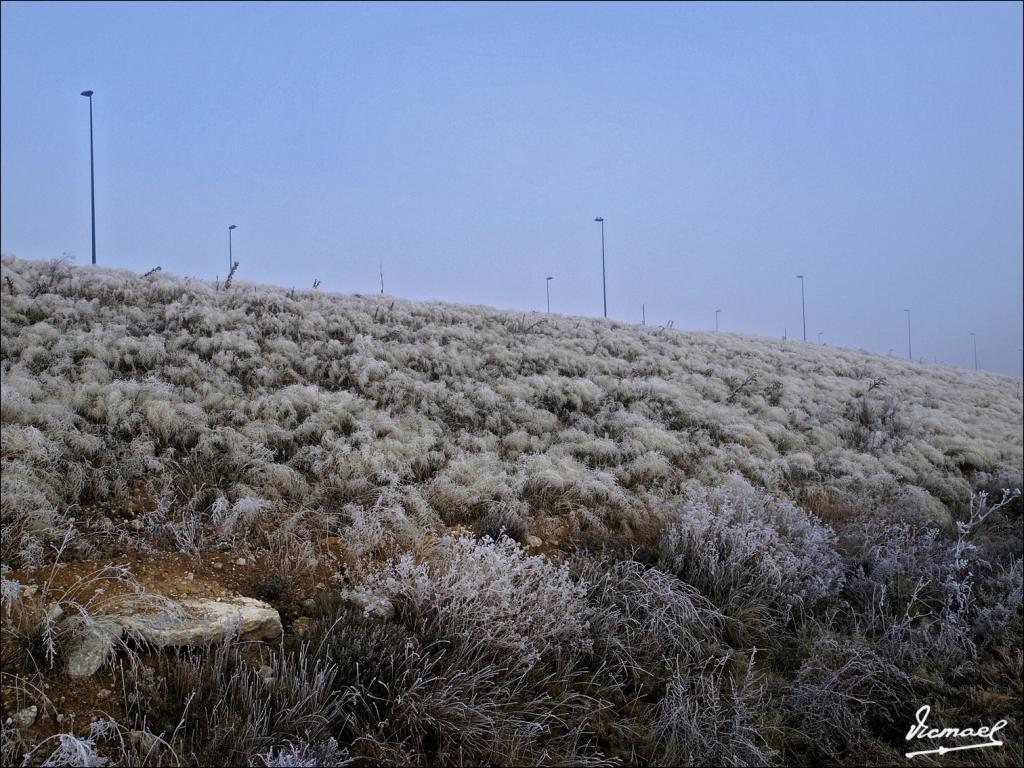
80 702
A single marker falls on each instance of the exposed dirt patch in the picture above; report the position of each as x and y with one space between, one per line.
70 705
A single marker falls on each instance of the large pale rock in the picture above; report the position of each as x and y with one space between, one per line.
96 644
208 621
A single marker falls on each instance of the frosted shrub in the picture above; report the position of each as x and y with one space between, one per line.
488 592
842 687
750 552
706 718
914 587
643 620
324 755
999 599
906 591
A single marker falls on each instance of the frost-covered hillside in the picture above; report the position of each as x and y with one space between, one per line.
283 402
679 524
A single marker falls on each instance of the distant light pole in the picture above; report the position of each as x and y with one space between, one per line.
716 319
547 288
975 337
910 356
643 314
1020 353
803 306
92 177
231 260
604 285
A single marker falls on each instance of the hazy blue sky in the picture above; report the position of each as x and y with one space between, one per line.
875 148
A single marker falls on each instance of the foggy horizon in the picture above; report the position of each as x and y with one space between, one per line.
874 149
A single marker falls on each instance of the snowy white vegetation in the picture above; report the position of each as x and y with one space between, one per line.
750 551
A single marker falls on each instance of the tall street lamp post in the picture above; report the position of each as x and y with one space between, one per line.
910 355
803 306
604 285
231 260
547 290
92 177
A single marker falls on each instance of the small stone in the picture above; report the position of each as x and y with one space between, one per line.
96 645
30 591
374 606
189 576
301 626
102 693
533 541
266 674
136 524
241 561
218 566
60 718
309 603
144 741
25 718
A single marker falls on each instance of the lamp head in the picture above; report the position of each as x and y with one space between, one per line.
549 278
599 218
87 93
233 226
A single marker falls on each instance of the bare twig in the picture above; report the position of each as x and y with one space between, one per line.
231 276
749 380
